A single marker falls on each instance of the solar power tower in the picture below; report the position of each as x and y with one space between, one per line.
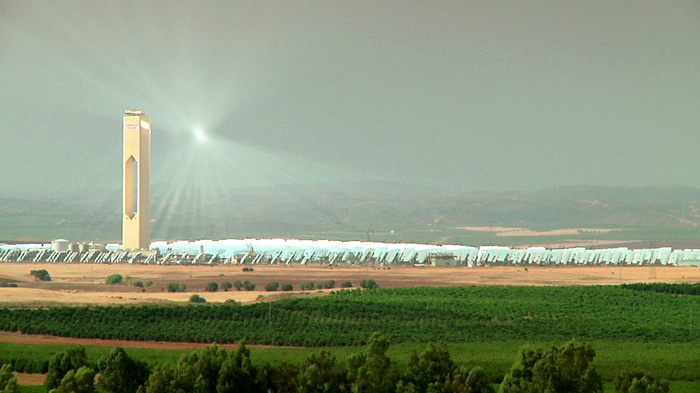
136 227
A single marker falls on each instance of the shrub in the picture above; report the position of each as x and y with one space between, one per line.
238 284
307 285
330 284
226 286
197 299
8 284
248 269
148 283
114 279
369 284
638 381
212 287
176 287
42 275
287 287
249 286
346 284
136 282
233 301
273 286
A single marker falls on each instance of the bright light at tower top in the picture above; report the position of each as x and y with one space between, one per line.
199 135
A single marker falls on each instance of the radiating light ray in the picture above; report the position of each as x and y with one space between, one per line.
194 178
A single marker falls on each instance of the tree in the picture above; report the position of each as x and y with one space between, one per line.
176 287
161 380
638 382
307 285
238 374
238 285
77 381
623 381
212 287
564 369
114 279
195 298
430 368
369 284
648 385
120 373
198 372
321 374
371 370
287 287
136 282
42 275
346 284
249 286
63 362
464 380
282 378
226 286
273 286
8 380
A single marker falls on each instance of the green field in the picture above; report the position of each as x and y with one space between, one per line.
645 327
404 315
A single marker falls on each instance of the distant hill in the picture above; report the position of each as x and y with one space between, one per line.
351 210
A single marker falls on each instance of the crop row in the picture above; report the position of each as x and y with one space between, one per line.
348 317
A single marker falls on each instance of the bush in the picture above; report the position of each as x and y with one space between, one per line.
197 299
8 284
249 286
307 285
42 275
226 286
638 381
330 284
287 287
273 286
176 287
238 284
248 269
136 282
212 287
114 279
148 283
369 284
346 284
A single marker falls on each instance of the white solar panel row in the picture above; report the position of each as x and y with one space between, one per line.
257 251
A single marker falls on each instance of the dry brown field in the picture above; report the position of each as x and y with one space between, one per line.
82 284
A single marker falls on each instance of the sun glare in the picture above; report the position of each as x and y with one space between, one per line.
199 135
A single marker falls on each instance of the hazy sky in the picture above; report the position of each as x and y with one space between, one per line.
454 94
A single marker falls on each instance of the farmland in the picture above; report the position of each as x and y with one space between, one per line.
630 326
421 314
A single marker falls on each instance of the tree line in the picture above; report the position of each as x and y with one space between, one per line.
567 368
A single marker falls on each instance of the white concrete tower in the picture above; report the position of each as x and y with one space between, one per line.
136 227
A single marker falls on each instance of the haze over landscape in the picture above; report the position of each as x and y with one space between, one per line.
299 101
504 178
